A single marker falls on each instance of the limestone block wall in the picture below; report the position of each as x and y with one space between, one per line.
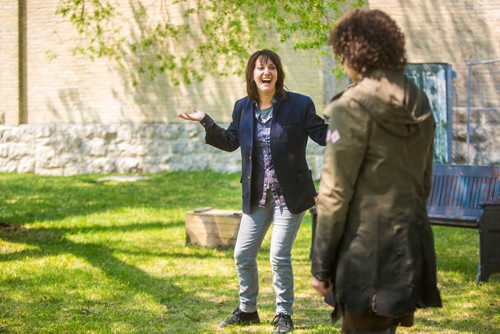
68 149
484 137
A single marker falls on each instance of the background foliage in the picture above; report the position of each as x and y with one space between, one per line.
211 36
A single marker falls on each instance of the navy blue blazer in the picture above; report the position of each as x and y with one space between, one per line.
294 120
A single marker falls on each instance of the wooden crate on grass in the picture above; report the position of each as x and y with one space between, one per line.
212 228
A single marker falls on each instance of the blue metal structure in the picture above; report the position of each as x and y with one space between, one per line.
436 80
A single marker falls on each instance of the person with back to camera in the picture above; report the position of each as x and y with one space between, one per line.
272 126
373 255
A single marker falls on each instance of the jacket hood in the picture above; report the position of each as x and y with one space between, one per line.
393 100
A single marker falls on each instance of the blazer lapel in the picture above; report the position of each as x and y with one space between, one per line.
246 127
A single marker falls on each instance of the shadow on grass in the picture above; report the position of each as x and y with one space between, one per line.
28 198
470 325
54 242
462 261
54 237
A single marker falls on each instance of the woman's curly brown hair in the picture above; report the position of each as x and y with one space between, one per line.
369 40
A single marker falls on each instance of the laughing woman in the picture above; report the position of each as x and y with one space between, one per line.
271 126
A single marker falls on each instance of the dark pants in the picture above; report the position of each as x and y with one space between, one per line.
372 323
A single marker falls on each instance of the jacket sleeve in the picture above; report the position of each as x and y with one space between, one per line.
225 139
346 143
428 167
315 126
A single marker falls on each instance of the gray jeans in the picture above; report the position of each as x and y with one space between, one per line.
253 228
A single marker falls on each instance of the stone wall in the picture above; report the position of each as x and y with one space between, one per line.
68 149
484 136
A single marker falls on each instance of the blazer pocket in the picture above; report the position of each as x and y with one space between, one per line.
291 128
304 176
291 131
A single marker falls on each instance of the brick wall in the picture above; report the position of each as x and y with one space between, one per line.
448 31
455 32
67 88
9 64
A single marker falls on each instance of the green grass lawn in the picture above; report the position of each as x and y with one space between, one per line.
81 256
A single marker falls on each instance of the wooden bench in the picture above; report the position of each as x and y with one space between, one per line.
469 196
466 196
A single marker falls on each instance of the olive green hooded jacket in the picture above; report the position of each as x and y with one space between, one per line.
373 239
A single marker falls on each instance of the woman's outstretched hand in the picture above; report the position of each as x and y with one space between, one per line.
195 115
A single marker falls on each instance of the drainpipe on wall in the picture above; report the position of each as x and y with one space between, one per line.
23 75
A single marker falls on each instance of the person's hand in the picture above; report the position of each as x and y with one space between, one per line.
321 286
195 115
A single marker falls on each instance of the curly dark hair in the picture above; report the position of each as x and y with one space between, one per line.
369 40
280 82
